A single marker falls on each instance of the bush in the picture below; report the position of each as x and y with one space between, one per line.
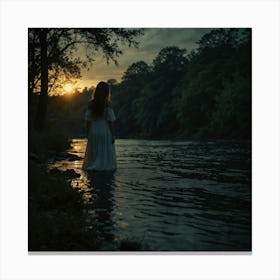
51 140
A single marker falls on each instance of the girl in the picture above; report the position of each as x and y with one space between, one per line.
100 151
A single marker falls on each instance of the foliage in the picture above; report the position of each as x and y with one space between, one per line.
66 120
50 141
53 56
67 112
232 100
202 94
206 93
143 89
124 96
62 45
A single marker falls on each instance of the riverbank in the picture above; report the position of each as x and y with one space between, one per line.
154 182
58 217
163 189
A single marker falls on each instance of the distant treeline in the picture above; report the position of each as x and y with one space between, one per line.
65 112
202 94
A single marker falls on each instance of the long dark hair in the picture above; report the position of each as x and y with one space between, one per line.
100 100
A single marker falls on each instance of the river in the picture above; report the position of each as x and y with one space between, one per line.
171 195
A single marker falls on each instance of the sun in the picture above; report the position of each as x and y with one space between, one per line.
68 88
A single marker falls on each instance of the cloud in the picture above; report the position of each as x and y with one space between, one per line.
153 40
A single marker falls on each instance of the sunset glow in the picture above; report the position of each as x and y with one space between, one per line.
68 88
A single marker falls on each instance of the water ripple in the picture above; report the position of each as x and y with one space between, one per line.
172 195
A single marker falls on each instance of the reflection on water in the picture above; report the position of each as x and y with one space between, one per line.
171 195
102 190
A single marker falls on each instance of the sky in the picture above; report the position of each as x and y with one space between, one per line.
153 40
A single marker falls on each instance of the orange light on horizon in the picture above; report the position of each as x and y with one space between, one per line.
68 88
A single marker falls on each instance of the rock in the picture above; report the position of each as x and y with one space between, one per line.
72 157
67 156
69 174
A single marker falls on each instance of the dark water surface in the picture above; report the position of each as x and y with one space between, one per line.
171 195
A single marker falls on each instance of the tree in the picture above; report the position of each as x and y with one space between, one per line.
56 49
170 59
66 65
169 68
112 82
206 93
232 115
126 93
137 71
42 108
222 55
220 38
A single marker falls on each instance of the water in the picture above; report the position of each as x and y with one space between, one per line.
170 195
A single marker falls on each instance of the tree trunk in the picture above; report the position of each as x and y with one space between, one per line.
40 118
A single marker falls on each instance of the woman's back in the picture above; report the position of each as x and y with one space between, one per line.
107 115
100 152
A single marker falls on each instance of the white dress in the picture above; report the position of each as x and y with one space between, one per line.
100 152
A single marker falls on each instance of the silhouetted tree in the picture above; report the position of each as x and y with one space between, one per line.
203 94
112 82
206 93
144 98
169 67
136 71
125 96
55 47
223 56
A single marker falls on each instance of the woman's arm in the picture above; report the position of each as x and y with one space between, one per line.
111 126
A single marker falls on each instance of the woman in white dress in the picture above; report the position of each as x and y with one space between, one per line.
100 152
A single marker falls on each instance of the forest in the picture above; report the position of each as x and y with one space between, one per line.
198 95
202 94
